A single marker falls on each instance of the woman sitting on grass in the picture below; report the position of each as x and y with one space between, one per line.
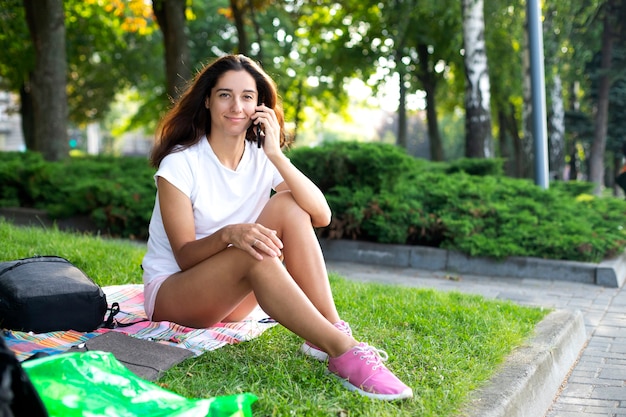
219 245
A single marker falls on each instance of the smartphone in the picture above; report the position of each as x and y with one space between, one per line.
257 130
259 137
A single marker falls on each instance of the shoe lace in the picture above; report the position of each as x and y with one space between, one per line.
371 355
344 327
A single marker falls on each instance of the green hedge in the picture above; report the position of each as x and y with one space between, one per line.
466 205
116 193
377 193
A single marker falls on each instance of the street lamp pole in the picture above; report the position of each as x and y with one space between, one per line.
538 92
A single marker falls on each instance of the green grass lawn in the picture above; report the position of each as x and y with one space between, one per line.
443 345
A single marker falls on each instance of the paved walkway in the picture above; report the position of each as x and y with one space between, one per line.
597 384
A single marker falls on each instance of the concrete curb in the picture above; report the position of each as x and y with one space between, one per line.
532 375
609 273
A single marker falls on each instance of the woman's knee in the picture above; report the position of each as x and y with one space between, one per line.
282 208
283 199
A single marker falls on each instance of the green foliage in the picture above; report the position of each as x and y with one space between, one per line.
104 58
377 193
353 164
116 193
502 217
399 199
573 188
477 166
17 55
20 177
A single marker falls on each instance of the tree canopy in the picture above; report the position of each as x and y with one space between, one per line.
314 49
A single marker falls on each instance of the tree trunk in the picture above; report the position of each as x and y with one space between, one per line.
46 23
617 167
429 84
170 15
402 139
510 142
517 146
27 116
598 146
478 136
400 42
574 105
556 115
527 154
556 128
505 153
242 36
434 137
257 31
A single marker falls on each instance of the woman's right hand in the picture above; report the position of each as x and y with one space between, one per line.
254 238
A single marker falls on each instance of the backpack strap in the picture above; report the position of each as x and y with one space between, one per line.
111 323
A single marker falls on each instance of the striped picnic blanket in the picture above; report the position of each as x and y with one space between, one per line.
130 299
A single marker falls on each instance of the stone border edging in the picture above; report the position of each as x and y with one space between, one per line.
532 375
609 273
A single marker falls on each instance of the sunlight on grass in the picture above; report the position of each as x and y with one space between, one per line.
443 345
106 261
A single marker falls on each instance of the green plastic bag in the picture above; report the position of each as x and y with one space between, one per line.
95 384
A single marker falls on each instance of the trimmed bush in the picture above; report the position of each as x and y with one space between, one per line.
354 164
377 193
466 205
116 193
22 176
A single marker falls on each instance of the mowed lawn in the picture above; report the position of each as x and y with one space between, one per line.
444 345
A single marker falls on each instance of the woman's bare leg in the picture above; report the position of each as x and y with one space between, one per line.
243 310
303 256
205 294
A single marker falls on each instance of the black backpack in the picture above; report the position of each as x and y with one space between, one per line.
48 293
18 397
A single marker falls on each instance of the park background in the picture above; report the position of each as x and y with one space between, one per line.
442 79
450 76
442 89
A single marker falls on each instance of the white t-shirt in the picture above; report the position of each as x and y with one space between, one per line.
219 197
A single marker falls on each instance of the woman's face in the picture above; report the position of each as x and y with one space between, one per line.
232 102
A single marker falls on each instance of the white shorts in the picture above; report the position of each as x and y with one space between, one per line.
150 291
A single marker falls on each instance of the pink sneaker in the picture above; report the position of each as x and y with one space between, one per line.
313 351
361 369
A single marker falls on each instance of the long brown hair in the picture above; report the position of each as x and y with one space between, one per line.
188 120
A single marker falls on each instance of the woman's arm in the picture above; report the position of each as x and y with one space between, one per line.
178 221
304 191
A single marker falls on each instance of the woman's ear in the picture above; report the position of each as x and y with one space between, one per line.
206 103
